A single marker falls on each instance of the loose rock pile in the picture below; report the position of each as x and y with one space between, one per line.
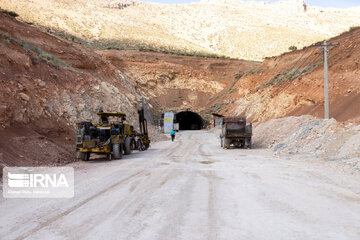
307 135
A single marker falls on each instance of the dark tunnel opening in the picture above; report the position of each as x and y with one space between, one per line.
189 121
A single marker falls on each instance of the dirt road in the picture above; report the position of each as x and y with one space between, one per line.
192 189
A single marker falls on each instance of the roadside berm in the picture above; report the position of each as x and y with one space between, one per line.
311 138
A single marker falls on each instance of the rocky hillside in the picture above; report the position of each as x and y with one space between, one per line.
177 83
293 84
289 84
47 84
223 27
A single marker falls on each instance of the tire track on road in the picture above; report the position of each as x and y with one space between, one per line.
73 208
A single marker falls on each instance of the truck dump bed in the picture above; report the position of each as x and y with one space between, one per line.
236 132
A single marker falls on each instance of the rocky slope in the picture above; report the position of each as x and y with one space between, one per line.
292 84
177 83
311 137
224 27
46 86
48 83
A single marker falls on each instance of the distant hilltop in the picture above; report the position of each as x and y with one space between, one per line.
238 29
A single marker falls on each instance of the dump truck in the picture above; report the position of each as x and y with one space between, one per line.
111 136
235 131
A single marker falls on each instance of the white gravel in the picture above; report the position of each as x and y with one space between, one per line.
307 135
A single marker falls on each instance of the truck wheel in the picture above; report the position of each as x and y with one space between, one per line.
127 145
227 143
85 156
248 143
117 151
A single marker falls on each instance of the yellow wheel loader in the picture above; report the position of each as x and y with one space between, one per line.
111 136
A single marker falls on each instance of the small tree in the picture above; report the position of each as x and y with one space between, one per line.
292 48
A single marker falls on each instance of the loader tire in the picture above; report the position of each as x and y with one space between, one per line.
117 151
140 145
146 146
127 146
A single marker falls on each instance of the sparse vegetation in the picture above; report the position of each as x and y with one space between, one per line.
292 48
354 28
253 71
67 36
43 55
126 44
145 25
216 107
239 74
10 13
288 76
130 44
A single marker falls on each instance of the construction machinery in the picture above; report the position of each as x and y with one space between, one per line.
111 136
234 131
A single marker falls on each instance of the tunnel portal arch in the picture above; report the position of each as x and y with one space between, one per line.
189 120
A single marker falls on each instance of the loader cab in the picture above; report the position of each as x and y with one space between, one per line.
104 120
108 118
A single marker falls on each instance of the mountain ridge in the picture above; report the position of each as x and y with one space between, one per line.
221 27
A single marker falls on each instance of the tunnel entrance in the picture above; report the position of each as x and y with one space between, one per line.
189 121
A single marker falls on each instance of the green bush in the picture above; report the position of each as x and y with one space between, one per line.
292 48
10 13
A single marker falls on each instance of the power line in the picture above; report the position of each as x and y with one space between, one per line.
305 60
324 46
345 37
294 65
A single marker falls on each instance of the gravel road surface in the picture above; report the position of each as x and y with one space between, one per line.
193 189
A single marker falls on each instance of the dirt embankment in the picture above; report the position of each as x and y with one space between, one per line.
176 83
310 137
47 85
293 84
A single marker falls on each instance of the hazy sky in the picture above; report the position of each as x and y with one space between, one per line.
322 3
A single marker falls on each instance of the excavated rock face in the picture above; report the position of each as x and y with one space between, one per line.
47 84
174 83
44 77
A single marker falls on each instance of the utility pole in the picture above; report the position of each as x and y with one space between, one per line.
326 80
326 83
